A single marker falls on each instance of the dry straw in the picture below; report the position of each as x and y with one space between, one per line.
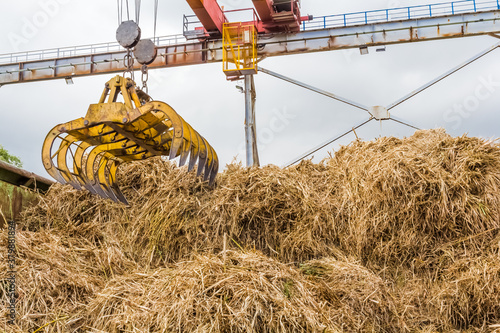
385 236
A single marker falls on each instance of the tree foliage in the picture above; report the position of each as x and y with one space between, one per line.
11 159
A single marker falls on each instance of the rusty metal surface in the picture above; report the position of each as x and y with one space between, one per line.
145 52
329 39
12 201
19 177
399 32
59 68
18 189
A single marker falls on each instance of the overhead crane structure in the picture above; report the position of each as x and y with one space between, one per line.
275 28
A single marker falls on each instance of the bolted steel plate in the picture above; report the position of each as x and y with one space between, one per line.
145 52
380 113
128 34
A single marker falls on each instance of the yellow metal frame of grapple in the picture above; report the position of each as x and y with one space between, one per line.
115 132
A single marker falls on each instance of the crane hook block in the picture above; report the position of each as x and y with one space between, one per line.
128 34
145 52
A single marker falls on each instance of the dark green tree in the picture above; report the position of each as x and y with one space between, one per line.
11 159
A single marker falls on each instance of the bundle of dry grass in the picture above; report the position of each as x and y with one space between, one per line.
56 275
413 211
403 198
247 292
70 286
465 297
382 201
357 299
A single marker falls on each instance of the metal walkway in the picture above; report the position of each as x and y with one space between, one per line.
355 30
401 14
320 22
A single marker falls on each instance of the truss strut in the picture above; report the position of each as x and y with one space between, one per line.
402 122
445 75
383 113
319 91
326 143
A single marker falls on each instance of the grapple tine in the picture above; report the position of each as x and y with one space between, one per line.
48 163
214 171
214 167
113 133
90 166
177 125
208 165
112 181
195 151
79 170
62 158
102 178
203 155
187 144
108 166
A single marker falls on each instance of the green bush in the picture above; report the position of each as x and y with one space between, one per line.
8 158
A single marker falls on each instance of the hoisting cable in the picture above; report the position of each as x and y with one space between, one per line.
137 11
156 16
144 67
118 7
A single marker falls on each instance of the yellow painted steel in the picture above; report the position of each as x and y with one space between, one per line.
115 132
239 50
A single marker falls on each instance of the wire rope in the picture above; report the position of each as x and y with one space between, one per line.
137 11
155 20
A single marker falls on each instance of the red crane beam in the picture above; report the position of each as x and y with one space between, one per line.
273 16
279 15
209 13
264 8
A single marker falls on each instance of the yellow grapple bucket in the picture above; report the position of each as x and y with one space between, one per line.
86 152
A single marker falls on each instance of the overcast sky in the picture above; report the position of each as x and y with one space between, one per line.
290 120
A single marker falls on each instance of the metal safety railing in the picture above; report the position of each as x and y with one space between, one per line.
83 50
321 22
398 14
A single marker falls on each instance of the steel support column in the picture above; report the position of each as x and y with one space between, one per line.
250 128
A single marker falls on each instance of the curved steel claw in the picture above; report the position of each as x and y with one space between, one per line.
92 148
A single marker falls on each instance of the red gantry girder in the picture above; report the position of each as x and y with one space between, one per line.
274 15
210 14
279 15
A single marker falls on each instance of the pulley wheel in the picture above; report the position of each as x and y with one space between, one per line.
128 34
145 52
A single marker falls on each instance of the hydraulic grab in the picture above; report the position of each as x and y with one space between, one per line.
86 152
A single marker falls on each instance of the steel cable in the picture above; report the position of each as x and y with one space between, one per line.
155 19
323 145
137 11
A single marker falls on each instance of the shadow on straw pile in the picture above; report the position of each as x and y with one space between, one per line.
414 211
